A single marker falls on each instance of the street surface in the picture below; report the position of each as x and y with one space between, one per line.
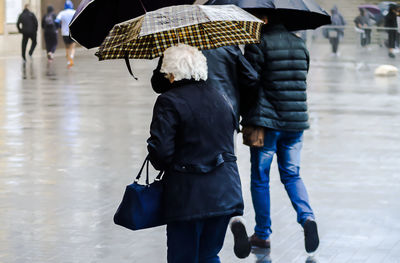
70 140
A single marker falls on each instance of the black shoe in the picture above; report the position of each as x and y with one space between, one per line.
391 55
242 246
311 238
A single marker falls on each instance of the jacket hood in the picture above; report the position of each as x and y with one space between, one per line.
334 10
68 5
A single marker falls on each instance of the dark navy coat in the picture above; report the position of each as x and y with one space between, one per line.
282 61
192 140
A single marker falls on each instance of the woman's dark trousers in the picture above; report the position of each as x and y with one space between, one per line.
334 43
51 41
197 241
25 38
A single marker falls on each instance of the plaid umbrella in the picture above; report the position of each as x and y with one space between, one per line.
205 27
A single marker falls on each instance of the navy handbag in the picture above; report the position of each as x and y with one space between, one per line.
141 206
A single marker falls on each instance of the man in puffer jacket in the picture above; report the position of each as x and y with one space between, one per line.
282 62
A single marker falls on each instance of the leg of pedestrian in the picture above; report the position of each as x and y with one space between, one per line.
24 44
261 158
33 45
183 240
288 153
72 52
212 239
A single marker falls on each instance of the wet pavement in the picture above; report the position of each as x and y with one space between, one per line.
70 140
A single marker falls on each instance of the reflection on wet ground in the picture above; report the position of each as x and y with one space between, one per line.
70 140
262 255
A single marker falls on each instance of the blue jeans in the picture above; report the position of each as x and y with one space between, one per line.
287 146
197 241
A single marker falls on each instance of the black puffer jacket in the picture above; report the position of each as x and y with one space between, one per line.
192 140
27 23
228 71
282 61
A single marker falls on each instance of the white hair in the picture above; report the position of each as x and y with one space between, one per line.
185 62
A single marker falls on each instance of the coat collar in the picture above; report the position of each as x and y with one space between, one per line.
184 82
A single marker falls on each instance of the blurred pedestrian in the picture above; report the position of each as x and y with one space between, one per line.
363 22
49 26
336 33
398 28
64 18
391 22
192 140
279 116
27 24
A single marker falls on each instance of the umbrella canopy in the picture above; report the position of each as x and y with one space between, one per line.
205 27
95 18
373 9
295 14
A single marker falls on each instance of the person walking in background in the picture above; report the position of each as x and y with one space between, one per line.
335 34
280 113
64 18
192 141
50 32
398 28
27 24
363 22
391 22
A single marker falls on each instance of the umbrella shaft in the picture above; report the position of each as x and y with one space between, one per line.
144 8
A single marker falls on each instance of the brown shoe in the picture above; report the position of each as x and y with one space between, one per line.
258 242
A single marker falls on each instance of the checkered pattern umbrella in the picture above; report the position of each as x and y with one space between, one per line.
205 27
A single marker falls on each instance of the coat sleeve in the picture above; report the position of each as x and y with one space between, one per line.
248 76
161 144
35 22
255 56
158 82
19 23
308 59
248 83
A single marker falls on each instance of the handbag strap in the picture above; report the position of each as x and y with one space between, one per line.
141 169
146 162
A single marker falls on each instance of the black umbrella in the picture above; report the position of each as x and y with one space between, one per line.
95 18
294 14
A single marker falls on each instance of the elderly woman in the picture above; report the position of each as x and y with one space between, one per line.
192 141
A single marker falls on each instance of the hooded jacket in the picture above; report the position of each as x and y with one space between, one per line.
282 62
27 23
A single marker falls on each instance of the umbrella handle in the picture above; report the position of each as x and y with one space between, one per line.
128 65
